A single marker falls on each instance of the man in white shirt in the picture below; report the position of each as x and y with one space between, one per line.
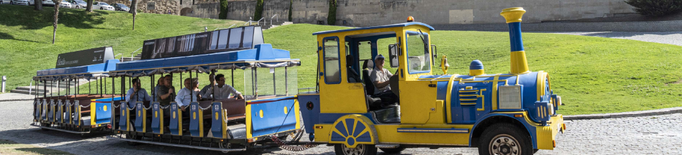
136 93
381 79
188 94
222 91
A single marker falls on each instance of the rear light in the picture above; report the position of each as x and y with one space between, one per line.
109 126
554 143
563 126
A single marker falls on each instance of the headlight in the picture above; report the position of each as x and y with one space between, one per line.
510 97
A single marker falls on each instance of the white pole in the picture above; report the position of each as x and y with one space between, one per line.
4 78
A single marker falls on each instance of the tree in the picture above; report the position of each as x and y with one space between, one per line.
223 9
89 7
38 5
56 17
331 20
134 11
291 9
259 10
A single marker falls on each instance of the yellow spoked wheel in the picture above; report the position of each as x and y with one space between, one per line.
354 135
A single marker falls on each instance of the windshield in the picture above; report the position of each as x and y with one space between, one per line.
418 52
102 3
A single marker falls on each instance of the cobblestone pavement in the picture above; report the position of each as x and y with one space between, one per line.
674 38
633 135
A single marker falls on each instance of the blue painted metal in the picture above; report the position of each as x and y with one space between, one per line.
515 36
351 129
157 114
139 117
310 116
275 118
542 111
442 90
109 65
217 120
50 112
476 64
102 115
432 130
174 126
377 27
123 121
195 122
262 52
76 111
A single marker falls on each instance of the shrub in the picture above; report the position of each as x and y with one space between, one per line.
223 9
331 19
656 8
259 10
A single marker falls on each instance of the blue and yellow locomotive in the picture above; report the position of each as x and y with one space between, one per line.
511 113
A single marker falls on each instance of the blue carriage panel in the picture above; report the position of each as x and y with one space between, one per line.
124 121
50 113
68 115
103 113
310 110
43 110
542 111
140 117
76 110
157 118
196 122
219 120
59 112
273 116
36 112
175 125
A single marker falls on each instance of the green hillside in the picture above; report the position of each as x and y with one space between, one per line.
26 35
592 74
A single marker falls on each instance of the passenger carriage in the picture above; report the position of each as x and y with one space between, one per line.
510 113
269 107
69 110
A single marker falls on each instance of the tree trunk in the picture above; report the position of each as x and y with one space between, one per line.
134 10
56 17
38 5
89 7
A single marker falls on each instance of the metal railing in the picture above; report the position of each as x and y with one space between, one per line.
263 19
272 18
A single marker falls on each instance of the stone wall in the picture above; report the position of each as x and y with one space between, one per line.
378 12
195 8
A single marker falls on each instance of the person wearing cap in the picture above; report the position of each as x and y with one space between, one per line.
381 77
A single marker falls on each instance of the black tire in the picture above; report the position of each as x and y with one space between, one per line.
366 149
393 150
101 8
515 140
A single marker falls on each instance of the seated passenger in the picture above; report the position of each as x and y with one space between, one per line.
222 91
136 93
381 77
164 92
188 94
207 87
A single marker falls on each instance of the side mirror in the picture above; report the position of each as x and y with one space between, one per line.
393 55
434 51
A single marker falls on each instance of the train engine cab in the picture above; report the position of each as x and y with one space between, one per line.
512 113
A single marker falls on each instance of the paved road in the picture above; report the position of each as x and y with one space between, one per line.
636 135
674 38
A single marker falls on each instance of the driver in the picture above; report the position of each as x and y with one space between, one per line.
381 79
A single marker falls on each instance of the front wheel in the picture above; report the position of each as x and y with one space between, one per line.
101 8
504 139
361 149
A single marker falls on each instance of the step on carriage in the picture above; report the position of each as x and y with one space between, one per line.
268 108
69 110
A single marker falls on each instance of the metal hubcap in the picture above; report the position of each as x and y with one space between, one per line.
353 151
504 144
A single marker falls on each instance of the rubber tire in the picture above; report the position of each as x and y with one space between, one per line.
101 8
370 149
505 128
393 150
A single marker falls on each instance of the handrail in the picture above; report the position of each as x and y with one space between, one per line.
132 55
274 17
262 18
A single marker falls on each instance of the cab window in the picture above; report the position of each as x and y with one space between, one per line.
332 74
417 52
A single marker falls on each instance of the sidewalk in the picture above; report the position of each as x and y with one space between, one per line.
15 97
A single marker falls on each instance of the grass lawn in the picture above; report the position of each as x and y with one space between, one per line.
592 74
11 148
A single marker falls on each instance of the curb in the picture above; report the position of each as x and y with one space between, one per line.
626 114
9 100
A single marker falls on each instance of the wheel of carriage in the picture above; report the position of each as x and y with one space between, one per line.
393 150
361 149
504 139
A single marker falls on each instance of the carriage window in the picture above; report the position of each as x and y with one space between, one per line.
332 74
248 37
235 38
214 40
418 52
222 44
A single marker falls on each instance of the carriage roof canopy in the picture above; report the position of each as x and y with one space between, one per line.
263 55
87 71
376 27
